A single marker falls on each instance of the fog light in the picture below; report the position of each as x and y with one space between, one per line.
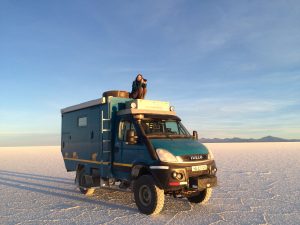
179 176
213 171
174 175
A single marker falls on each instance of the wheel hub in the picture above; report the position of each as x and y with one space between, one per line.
145 195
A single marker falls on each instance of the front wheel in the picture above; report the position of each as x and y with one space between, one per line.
148 197
201 196
80 180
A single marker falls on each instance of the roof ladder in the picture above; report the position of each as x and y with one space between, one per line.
103 130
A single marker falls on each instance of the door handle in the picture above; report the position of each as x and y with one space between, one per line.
92 135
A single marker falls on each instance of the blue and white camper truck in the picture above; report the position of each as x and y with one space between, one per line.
135 145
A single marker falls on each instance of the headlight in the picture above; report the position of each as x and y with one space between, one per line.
210 154
165 156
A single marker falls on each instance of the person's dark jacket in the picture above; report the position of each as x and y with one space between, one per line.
137 85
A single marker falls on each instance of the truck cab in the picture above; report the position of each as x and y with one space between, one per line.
136 145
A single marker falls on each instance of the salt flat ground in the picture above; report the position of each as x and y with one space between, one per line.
259 183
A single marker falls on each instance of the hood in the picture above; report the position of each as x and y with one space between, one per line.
180 147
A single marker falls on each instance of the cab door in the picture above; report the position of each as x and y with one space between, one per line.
125 154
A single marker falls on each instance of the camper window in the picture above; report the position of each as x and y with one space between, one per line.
82 121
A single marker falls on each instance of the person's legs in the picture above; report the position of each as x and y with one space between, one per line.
144 92
134 95
139 94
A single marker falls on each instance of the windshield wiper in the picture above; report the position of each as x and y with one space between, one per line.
180 135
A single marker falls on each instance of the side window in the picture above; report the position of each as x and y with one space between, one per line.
123 127
82 121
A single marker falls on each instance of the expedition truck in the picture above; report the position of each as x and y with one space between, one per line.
135 145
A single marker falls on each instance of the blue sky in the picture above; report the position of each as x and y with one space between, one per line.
231 68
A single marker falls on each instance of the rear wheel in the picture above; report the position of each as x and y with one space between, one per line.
148 197
82 183
201 196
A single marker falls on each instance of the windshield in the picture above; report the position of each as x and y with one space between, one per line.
164 128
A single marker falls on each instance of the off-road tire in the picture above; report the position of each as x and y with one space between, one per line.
148 197
201 196
81 183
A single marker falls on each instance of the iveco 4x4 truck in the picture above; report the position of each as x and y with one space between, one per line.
135 145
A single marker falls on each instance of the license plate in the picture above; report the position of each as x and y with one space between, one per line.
199 168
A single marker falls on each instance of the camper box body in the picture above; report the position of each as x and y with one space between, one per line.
86 134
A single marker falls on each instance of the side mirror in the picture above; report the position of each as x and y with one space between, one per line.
131 137
195 135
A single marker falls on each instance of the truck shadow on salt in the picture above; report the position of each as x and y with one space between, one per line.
36 184
52 191
37 177
104 197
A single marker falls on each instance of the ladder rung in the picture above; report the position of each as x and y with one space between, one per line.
106 140
106 130
106 119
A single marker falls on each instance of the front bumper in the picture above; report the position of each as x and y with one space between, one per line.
202 182
191 180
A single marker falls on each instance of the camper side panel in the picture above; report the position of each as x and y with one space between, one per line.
80 136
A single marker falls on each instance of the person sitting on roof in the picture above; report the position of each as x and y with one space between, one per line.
139 87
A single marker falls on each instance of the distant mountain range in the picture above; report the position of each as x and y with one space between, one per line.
236 140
